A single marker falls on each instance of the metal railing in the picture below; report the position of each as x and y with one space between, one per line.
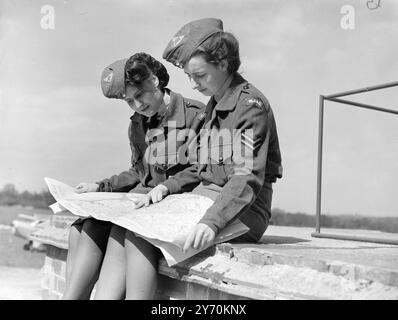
336 98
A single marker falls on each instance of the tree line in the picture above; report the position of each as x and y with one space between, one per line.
346 221
9 196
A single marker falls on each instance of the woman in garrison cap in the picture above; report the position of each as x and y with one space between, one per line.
237 175
141 81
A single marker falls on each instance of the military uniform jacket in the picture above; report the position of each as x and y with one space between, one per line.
242 174
152 162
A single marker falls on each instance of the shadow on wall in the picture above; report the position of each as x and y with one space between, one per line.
281 240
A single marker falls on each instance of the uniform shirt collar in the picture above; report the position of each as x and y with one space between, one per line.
176 111
231 96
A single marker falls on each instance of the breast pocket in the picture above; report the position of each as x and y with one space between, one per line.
220 153
220 159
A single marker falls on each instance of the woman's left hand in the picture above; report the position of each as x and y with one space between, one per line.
199 237
158 193
155 195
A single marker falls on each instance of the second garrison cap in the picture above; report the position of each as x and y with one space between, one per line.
113 80
189 38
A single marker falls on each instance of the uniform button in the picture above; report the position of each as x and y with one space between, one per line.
220 160
201 116
164 166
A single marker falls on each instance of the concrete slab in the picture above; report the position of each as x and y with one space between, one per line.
364 253
288 263
295 246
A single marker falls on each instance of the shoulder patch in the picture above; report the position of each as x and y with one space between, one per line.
255 102
193 104
176 40
252 97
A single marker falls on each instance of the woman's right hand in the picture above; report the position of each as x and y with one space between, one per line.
86 187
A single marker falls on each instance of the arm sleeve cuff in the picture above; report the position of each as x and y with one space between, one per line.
172 185
212 226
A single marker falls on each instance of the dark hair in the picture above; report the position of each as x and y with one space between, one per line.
220 46
139 68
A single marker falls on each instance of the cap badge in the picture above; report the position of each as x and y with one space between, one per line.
109 77
176 40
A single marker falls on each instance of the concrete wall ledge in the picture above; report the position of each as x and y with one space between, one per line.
270 270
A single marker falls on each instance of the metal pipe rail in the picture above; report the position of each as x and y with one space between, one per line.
354 238
334 98
367 89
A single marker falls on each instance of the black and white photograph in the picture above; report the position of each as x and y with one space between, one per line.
198 150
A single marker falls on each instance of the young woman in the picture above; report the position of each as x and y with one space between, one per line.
241 189
237 118
141 81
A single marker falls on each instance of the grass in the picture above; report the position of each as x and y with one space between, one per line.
12 253
7 214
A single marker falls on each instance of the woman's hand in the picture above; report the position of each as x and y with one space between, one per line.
86 187
155 195
200 236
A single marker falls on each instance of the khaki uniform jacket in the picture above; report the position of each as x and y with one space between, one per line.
149 168
244 178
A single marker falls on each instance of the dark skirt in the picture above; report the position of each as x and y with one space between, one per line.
256 217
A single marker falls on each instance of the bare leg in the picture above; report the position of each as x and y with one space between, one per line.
142 264
74 237
87 259
111 284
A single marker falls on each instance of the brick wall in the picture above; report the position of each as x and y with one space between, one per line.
54 270
55 237
53 273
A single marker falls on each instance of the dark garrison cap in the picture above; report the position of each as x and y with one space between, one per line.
112 80
189 38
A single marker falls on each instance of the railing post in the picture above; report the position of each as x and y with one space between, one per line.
334 98
319 167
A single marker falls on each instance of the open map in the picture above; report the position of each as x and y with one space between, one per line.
165 224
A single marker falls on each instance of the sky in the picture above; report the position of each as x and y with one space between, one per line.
55 122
